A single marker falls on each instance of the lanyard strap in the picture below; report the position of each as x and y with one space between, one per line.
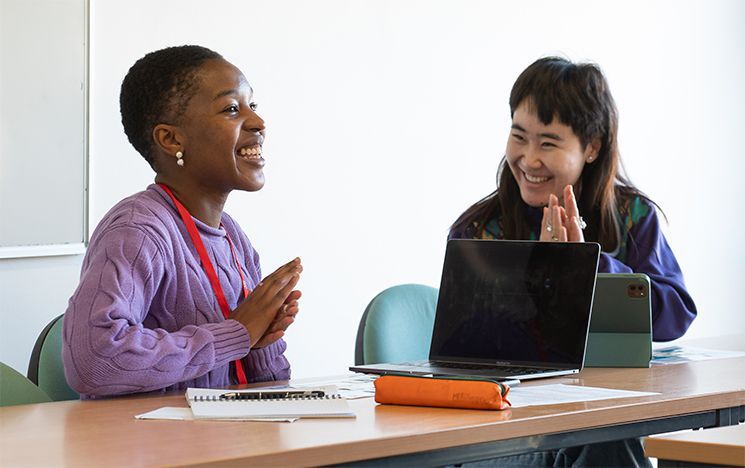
246 291
191 227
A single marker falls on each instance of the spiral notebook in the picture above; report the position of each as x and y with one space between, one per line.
211 404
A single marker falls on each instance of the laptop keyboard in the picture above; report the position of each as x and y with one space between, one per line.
501 369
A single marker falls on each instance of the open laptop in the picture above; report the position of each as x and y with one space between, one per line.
509 310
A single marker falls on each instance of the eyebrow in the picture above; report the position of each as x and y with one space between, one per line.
231 92
552 136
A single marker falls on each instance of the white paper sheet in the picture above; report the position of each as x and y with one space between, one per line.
184 414
554 394
168 412
678 354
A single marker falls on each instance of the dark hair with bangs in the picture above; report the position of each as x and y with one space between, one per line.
579 96
157 90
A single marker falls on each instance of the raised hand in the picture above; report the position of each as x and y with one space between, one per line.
573 219
281 322
270 304
562 223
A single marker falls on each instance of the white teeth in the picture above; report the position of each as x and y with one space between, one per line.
250 153
535 180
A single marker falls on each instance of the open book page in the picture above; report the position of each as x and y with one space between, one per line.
207 404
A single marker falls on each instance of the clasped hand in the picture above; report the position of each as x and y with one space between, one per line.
562 223
272 305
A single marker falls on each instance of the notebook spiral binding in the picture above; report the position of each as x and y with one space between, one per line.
296 398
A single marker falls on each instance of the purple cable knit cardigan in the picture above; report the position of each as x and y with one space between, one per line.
145 317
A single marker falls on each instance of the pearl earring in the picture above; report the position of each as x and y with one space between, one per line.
179 161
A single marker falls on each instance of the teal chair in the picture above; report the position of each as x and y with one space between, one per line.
397 325
45 367
16 389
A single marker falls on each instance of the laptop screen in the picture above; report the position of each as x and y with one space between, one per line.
515 302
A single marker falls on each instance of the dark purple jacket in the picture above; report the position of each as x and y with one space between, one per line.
646 251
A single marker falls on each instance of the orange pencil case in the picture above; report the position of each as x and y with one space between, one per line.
448 392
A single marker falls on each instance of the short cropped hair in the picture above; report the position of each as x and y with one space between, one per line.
157 89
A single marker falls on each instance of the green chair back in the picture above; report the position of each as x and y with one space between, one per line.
45 368
397 325
16 389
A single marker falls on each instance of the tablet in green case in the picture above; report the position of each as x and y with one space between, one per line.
621 322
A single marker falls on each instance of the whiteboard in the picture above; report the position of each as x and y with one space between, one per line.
43 121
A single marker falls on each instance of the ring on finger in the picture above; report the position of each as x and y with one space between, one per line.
549 227
554 238
582 223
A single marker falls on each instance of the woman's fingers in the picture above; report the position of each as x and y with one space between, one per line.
279 325
284 292
291 308
546 226
554 220
573 224
294 296
266 307
279 284
574 230
557 222
284 270
553 201
570 202
561 223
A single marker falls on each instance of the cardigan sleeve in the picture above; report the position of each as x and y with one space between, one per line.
106 348
268 363
648 252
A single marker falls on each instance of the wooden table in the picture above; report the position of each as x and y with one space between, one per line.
718 446
105 433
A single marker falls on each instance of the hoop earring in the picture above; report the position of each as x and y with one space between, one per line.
179 160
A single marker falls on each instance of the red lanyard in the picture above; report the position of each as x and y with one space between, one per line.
191 227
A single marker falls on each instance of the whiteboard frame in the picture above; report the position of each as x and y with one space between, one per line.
76 248
29 251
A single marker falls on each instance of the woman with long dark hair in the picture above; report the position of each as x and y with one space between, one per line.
561 180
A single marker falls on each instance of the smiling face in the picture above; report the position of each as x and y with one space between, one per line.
544 158
220 132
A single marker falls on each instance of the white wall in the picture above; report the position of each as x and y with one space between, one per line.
32 292
387 119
